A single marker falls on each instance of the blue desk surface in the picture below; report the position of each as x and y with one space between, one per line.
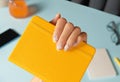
90 20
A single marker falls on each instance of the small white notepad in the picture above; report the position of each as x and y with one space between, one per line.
101 66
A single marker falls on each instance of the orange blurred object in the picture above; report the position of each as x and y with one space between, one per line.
18 8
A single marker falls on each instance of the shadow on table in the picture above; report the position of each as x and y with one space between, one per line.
36 8
33 9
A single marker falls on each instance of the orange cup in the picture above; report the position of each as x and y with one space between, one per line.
18 8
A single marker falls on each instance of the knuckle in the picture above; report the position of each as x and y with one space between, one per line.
62 20
83 36
69 25
77 29
84 33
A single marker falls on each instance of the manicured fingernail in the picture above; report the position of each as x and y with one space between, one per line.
55 39
66 47
59 47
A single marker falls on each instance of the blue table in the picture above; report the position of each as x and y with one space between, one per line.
90 20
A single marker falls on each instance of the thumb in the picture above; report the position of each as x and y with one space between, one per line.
54 20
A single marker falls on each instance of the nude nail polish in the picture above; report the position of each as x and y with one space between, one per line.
66 47
55 39
59 47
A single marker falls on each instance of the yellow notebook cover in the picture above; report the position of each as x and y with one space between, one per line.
37 54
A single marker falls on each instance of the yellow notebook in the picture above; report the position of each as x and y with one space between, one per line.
37 54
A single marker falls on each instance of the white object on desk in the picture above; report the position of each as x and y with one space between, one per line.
101 66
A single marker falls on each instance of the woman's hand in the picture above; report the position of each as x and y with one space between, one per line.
66 35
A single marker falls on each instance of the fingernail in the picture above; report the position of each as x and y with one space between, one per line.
59 47
55 39
66 47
